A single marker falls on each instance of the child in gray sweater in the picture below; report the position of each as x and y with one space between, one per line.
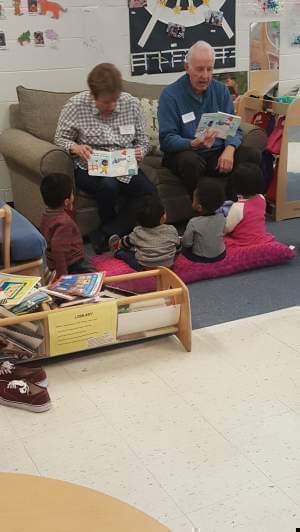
152 243
203 239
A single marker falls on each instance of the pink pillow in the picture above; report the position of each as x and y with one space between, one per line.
236 260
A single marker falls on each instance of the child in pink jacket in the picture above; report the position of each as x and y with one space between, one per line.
245 224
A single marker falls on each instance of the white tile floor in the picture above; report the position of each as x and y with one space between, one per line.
209 439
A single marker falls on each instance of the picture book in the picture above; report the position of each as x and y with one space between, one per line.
14 288
224 124
31 302
82 284
113 163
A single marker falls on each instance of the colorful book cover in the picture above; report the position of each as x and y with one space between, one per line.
14 288
113 163
224 124
82 284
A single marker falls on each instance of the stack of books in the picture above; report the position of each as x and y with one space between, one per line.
19 295
76 289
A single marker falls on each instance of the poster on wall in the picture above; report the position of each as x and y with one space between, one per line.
237 82
162 31
265 45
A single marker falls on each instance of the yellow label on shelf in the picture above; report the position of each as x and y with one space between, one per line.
76 329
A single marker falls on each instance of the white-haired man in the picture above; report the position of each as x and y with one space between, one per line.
181 105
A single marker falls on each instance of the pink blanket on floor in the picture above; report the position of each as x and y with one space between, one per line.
236 260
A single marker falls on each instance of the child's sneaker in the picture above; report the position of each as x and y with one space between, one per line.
10 372
22 394
114 243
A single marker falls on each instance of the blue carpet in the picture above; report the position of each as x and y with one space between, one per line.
252 292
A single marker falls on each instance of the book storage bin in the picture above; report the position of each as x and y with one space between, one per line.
164 310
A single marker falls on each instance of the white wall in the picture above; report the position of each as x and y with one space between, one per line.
94 31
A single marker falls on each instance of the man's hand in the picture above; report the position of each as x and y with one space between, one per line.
138 153
225 161
205 141
81 150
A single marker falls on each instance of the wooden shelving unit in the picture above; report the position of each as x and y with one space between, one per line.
168 285
246 108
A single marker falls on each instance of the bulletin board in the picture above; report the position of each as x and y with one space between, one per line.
162 31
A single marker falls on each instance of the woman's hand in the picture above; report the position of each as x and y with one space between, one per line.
81 150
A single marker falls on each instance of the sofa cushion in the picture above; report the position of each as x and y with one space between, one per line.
40 110
150 111
143 90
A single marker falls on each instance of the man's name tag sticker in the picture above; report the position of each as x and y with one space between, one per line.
188 117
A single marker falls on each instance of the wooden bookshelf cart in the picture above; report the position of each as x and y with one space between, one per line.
167 285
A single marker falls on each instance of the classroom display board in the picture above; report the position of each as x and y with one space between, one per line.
162 31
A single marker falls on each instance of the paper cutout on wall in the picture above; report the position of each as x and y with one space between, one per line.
32 7
175 30
2 41
51 7
17 8
52 37
150 46
90 32
2 12
265 7
293 29
25 37
215 18
38 38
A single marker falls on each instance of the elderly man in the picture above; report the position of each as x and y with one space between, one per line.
180 108
106 118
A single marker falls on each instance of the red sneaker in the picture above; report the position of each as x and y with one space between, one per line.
10 372
22 394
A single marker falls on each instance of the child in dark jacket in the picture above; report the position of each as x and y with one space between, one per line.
65 251
152 242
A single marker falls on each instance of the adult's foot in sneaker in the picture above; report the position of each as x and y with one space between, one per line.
10 372
114 243
25 395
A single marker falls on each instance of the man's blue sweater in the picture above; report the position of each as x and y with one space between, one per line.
179 99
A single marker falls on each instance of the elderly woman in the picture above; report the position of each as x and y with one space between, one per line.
105 118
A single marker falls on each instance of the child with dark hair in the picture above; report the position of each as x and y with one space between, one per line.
203 239
65 251
152 242
245 223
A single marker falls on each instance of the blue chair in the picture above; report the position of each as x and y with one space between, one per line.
23 246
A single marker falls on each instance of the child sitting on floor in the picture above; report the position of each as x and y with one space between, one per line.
203 239
245 223
65 251
152 243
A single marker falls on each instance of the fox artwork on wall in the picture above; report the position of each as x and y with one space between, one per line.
50 7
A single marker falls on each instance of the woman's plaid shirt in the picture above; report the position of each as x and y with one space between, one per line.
81 122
